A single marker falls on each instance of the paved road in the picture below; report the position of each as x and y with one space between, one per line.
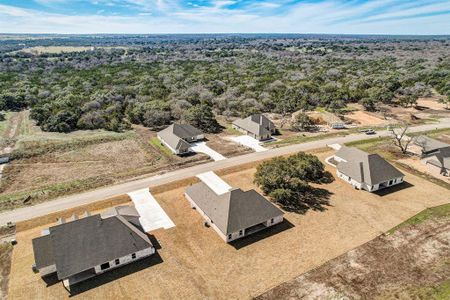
123 188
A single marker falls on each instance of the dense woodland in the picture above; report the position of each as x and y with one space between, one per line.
154 80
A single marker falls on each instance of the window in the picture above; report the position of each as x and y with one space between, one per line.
117 261
104 266
133 256
271 221
240 232
229 236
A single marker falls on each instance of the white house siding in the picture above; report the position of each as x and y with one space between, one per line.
126 260
258 137
276 220
352 181
369 188
241 233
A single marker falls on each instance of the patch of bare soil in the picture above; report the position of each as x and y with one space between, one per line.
365 118
225 147
397 266
430 103
85 162
5 268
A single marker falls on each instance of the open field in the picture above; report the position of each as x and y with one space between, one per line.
60 49
187 264
411 263
47 165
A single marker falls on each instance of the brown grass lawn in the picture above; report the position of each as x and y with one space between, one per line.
50 165
194 263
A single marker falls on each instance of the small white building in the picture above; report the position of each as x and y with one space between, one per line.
231 212
365 171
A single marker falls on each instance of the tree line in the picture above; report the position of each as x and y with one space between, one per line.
195 79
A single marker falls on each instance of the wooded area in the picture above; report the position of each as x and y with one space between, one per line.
154 80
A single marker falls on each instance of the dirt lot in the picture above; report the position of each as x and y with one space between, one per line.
365 119
193 262
430 103
411 263
427 108
227 148
49 165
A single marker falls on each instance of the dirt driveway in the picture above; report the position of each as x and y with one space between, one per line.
194 263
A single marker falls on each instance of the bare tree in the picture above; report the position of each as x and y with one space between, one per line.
400 137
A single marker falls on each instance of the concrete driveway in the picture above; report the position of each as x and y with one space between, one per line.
249 142
152 215
203 148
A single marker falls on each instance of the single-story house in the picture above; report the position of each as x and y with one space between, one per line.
429 145
79 249
257 126
365 171
177 137
231 212
435 154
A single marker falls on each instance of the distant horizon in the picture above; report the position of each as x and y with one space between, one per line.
357 17
228 33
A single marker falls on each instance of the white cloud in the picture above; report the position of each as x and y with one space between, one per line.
166 16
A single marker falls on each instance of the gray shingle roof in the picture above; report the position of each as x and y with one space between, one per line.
176 134
85 243
43 257
234 210
185 131
430 145
364 167
257 124
442 158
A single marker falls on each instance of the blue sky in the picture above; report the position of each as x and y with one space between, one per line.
226 16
